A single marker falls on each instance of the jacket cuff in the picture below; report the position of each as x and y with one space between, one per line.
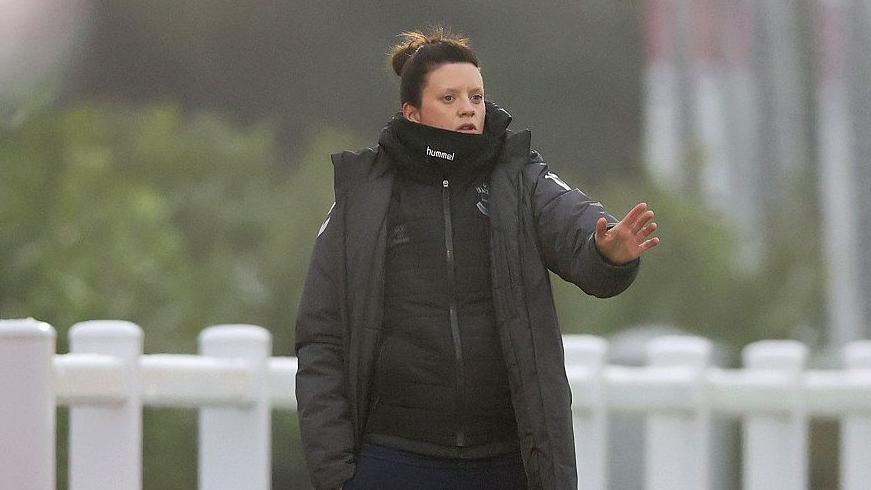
605 259
611 279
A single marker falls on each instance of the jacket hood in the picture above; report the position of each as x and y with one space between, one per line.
430 154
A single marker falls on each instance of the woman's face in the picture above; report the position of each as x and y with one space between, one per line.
453 99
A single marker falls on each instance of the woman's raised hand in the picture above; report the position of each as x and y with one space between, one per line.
628 239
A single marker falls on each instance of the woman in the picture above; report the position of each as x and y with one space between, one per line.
429 350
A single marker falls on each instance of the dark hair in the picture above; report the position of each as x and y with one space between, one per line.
418 53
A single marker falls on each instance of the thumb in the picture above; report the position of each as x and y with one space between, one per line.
601 225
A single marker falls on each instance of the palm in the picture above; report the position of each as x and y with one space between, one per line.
629 238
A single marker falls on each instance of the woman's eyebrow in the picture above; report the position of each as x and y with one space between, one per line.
460 89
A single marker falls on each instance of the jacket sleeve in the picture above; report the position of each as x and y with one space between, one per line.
565 221
323 409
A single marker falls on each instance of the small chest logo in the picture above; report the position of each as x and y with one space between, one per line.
483 199
399 235
439 154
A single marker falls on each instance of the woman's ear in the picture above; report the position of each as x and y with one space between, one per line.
410 112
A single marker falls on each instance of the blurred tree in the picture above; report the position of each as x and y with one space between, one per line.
172 222
693 280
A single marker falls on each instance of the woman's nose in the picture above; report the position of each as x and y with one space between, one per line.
467 108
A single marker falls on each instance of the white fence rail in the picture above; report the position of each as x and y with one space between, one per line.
106 380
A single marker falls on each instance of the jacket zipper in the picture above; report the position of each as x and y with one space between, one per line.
455 324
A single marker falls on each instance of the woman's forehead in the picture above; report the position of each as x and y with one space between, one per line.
456 75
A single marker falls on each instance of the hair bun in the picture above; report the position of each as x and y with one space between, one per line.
405 49
411 41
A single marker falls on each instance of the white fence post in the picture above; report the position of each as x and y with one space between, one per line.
856 428
234 442
677 442
585 358
105 445
27 405
775 443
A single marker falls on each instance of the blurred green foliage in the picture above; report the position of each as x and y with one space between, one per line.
696 279
179 221
171 221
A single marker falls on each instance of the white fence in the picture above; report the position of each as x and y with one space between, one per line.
106 380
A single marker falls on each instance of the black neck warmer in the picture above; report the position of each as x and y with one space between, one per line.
428 154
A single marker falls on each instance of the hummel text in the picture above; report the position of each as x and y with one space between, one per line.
440 154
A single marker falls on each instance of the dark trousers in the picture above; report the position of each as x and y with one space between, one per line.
384 468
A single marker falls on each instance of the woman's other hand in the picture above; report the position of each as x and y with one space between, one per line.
628 239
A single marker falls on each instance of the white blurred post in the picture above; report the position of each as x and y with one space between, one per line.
677 442
585 358
27 405
234 442
775 443
105 445
663 142
740 111
858 72
708 68
784 112
839 203
856 428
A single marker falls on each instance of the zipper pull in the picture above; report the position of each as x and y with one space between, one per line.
445 183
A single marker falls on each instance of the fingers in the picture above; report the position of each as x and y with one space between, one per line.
648 244
632 235
632 216
638 217
647 230
640 221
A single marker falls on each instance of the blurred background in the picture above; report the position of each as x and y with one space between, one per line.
167 162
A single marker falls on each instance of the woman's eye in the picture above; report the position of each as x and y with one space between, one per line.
448 98
477 98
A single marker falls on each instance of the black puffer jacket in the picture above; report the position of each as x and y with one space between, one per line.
536 223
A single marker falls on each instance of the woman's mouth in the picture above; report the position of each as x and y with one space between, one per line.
467 127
